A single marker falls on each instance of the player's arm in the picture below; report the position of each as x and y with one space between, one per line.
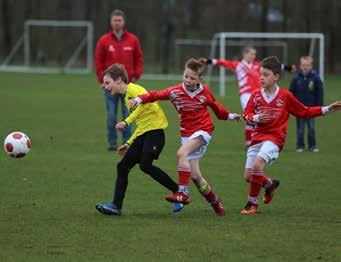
228 64
219 110
99 60
138 58
251 117
297 109
289 68
150 97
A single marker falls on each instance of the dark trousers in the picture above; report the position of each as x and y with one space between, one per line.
144 150
300 124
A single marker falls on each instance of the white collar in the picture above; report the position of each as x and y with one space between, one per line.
269 98
194 93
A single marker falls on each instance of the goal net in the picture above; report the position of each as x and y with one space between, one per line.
287 46
52 46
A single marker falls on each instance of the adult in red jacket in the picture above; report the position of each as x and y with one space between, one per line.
123 47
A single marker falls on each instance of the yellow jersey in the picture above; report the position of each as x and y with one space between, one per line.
147 116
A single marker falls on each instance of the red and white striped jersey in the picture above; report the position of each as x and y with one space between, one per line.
248 74
191 106
280 106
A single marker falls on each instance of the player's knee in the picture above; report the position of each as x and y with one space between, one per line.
145 166
258 164
121 166
181 155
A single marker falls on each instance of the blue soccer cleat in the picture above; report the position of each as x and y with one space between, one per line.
177 207
108 209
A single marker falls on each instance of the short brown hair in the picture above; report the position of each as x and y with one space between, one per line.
272 63
115 71
196 65
117 12
307 58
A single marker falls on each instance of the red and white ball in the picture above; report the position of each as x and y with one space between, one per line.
17 144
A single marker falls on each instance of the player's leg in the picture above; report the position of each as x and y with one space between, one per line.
153 144
184 169
111 107
205 188
258 156
127 131
300 134
311 135
123 168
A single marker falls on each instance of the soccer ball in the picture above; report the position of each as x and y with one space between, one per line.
17 144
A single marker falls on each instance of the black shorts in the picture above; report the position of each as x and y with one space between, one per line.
151 142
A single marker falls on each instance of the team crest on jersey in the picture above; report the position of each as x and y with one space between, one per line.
279 102
111 48
202 99
172 95
311 85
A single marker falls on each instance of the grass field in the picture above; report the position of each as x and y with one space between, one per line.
47 199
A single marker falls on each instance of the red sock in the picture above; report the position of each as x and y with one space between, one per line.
184 176
211 197
256 181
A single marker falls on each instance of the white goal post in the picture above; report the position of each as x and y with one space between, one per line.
25 41
222 37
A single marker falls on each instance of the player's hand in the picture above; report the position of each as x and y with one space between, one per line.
122 150
133 79
206 61
120 125
132 103
235 117
335 106
264 117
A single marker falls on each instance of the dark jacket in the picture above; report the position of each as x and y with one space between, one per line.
308 89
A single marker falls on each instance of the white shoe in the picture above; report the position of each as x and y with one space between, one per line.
314 150
299 150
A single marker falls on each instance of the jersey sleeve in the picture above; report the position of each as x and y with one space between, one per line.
139 109
297 109
228 64
218 109
132 117
156 95
132 137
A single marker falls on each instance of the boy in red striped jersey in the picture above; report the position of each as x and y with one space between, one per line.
269 108
191 99
248 76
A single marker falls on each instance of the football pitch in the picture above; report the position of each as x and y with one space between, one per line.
47 199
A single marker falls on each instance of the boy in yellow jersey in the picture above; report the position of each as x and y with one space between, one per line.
145 144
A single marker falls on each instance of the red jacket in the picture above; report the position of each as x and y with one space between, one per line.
127 51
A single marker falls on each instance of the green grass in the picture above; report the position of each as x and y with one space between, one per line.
47 199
